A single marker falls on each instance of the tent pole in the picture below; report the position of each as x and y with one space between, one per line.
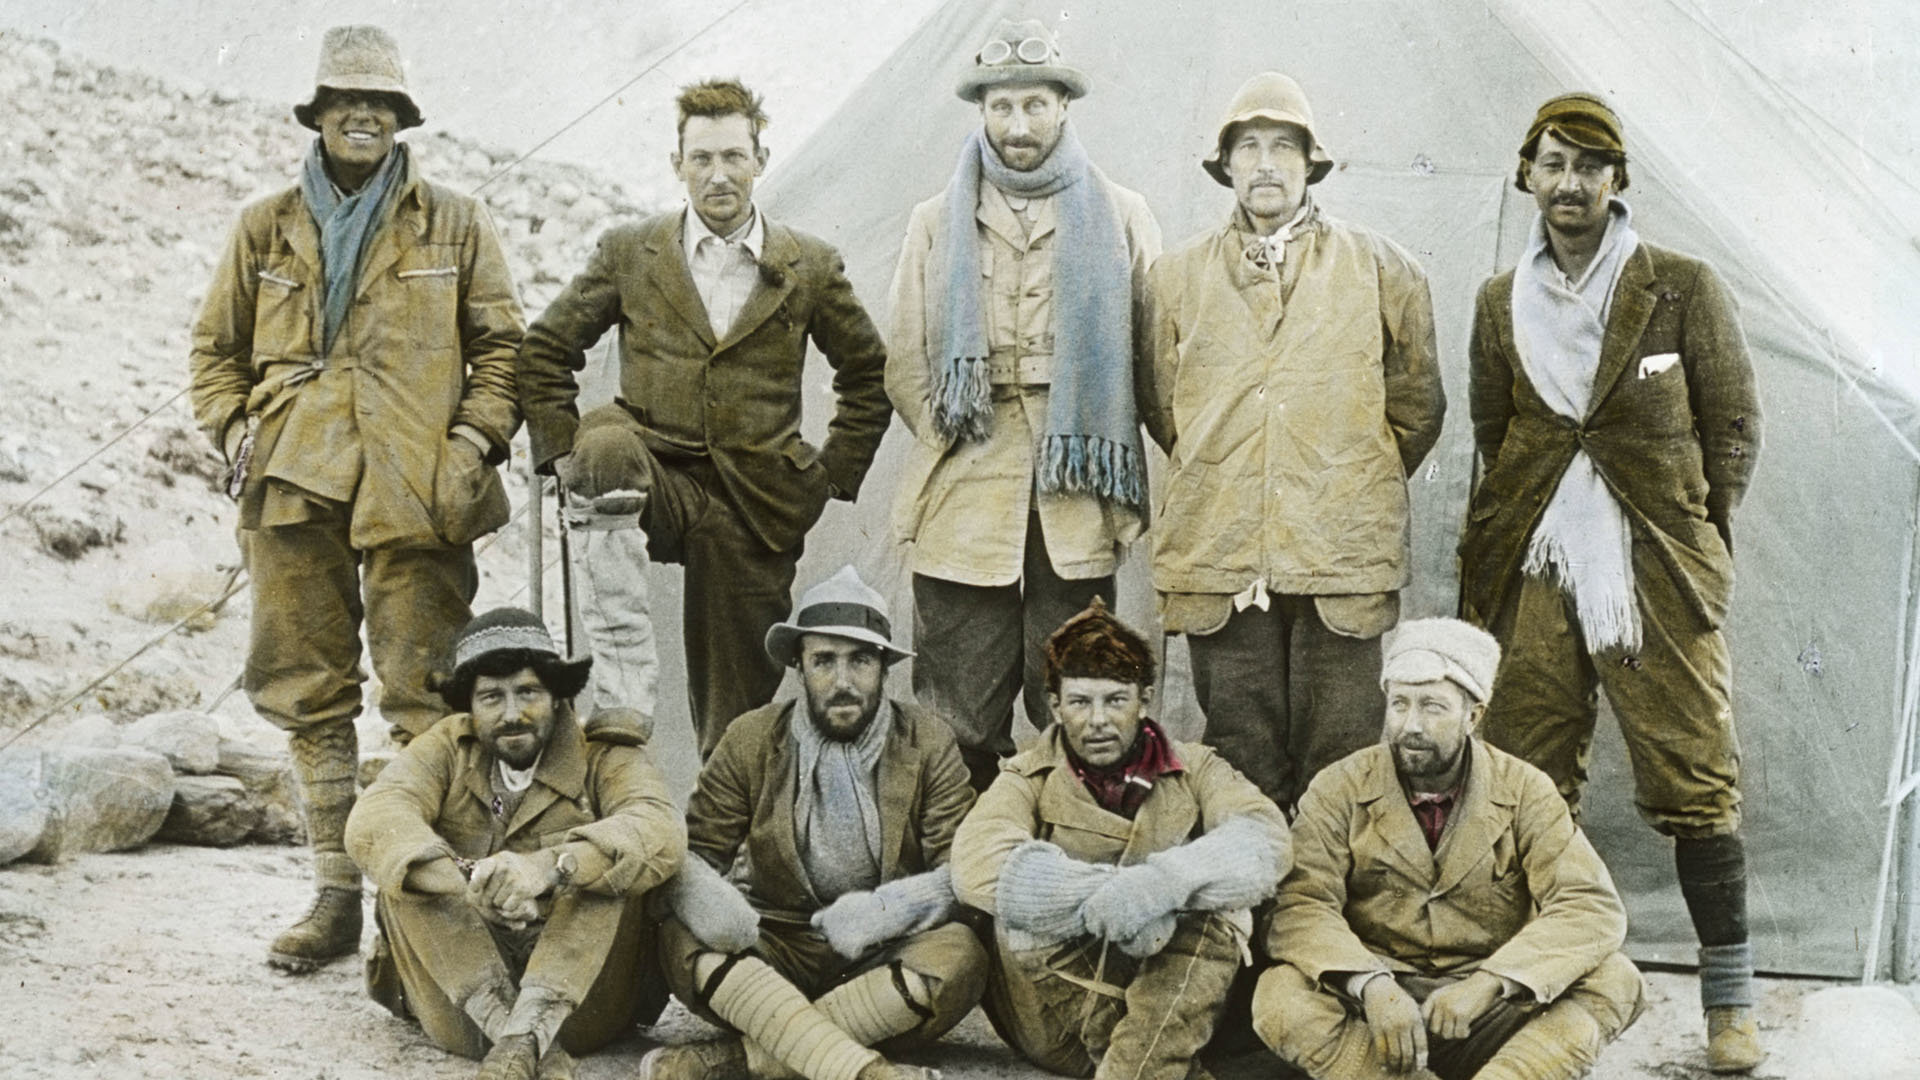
1898 861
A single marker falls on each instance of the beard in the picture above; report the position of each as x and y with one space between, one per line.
821 712
1421 760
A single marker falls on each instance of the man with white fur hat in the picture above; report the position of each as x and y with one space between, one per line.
845 802
1295 387
1444 913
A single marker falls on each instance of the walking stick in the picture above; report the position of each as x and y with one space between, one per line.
536 539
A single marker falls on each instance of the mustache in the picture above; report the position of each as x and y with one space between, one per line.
845 698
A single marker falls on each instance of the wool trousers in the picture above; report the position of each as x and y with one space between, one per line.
735 588
979 647
1284 695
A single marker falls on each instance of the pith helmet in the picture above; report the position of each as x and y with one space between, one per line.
1022 51
1269 96
841 606
362 58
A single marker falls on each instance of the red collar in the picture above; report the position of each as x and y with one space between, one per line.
1120 789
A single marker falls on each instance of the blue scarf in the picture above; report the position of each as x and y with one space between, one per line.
1092 437
347 227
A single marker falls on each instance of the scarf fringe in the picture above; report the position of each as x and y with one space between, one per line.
963 400
1609 618
1093 465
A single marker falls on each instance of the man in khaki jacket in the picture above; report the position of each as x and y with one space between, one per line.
1294 388
843 804
354 359
1444 911
1120 868
512 858
1011 361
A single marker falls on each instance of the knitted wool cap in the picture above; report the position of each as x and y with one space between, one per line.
510 630
364 58
1095 645
1584 120
1428 650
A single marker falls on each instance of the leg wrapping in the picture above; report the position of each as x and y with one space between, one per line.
784 1031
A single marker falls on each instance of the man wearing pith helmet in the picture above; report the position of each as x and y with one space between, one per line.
1295 389
1617 425
1011 359
1444 913
354 361
843 803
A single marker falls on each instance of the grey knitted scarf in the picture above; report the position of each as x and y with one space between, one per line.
347 228
836 813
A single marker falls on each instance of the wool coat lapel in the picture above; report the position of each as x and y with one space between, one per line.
899 771
1391 819
667 269
1634 296
404 227
1482 814
783 255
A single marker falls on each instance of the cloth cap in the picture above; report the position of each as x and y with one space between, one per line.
1580 118
842 606
1014 69
1095 645
1268 96
1428 650
516 630
362 58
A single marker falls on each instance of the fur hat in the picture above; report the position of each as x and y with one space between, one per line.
1019 40
1268 96
512 636
841 606
1095 645
365 59
1428 650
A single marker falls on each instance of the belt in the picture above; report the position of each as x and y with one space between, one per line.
1005 370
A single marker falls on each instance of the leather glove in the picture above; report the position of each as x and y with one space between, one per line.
711 909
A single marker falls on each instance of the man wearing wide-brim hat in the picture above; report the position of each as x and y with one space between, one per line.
354 361
1295 388
513 859
844 803
1617 424
1011 359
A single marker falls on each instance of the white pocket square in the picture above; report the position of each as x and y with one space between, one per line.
1657 363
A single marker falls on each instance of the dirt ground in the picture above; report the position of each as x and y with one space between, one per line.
105 973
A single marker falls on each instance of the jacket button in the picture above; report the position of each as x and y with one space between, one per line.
1018 255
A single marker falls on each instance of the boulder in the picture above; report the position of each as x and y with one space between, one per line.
100 800
268 778
1849 1033
25 804
210 811
190 741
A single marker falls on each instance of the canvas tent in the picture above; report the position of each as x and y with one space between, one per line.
1422 104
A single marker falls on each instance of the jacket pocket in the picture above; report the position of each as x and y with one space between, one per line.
469 501
805 459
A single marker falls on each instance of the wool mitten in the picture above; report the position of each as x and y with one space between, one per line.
713 911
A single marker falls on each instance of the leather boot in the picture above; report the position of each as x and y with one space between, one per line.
1733 1040
329 930
607 557
325 758
725 1059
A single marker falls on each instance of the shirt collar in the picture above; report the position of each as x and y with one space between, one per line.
751 236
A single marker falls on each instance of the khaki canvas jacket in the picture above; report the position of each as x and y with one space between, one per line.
1292 409
965 507
1676 446
607 804
746 795
1037 796
1514 887
428 344
734 397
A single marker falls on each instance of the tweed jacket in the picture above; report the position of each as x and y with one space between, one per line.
607 804
1293 405
964 506
1037 796
428 344
1514 887
1676 444
733 396
746 794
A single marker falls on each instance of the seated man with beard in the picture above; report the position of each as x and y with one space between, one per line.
1443 911
513 858
845 805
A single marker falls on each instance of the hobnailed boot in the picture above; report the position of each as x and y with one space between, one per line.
325 758
607 553
1733 1040
512 1058
725 1059
329 930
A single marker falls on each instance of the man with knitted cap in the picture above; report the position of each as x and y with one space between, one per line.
353 359
1120 867
512 858
1617 425
1295 388
1444 916
843 803
1011 359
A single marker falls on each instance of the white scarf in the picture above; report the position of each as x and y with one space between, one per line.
1583 539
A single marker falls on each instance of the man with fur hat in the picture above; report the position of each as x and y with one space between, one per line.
1443 912
512 858
1295 388
1011 360
845 803
354 360
1617 424
699 460
1120 868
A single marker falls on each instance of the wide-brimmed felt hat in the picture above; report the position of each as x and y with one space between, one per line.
1020 51
1268 96
841 606
515 630
365 59
1428 650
